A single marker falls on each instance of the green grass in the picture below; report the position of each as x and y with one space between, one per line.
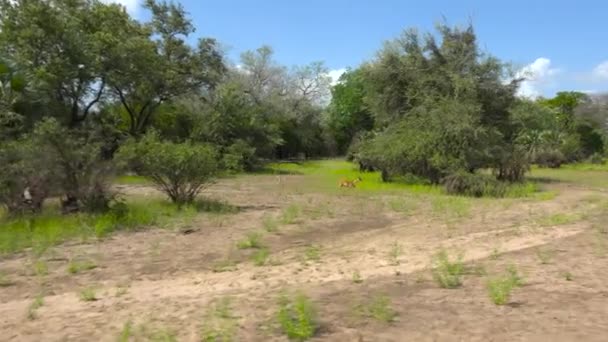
251 241
394 253
357 277
325 175
297 317
41 268
224 266
51 228
447 273
559 219
219 324
451 207
33 308
75 267
5 281
379 308
291 214
270 224
88 295
500 288
590 175
126 332
132 180
260 257
312 253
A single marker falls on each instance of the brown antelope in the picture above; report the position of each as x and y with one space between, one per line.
345 183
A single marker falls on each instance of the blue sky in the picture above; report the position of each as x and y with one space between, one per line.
562 45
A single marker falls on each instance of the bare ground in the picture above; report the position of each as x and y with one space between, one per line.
164 280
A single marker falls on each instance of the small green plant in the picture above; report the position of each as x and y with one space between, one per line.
126 332
394 253
41 268
33 308
260 257
514 275
568 276
5 281
499 290
544 256
75 267
312 253
559 219
219 324
495 254
88 295
297 317
402 205
291 214
252 240
270 224
448 274
381 310
224 266
357 277
163 335
121 291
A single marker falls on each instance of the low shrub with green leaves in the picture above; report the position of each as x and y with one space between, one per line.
474 185
447 273
180 170
500 288
297 317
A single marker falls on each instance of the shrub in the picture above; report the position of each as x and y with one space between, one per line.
181 170
239 157
550 158
297 317
448 274
500 288
474 185
82 174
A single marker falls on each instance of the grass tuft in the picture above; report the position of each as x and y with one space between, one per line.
260 257
252 240
297 317
33 308
75 267
88 295
500 288
448 274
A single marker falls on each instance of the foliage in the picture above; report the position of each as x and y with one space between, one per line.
180 170
500 288
448 274
297 317
474 185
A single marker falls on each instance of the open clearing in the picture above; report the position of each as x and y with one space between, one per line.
343 248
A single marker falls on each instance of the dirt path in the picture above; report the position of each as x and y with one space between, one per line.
176 291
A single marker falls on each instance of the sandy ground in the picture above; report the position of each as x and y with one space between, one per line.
164 281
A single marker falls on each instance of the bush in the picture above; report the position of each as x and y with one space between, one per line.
81 173
180 170
474 185
550 158
26 177
448 274
239 157
297 317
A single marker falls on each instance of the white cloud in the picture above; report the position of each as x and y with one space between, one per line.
538 75
600 72
131 5
335 75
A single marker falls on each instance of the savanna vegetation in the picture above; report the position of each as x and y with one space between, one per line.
132 155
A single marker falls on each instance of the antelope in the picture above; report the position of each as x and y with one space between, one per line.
345 183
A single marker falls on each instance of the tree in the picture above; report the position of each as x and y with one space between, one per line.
153 64
348 115
440 106
62 44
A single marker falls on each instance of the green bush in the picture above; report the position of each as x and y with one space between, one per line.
550 158
474 185
297 317
181 170
448 274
